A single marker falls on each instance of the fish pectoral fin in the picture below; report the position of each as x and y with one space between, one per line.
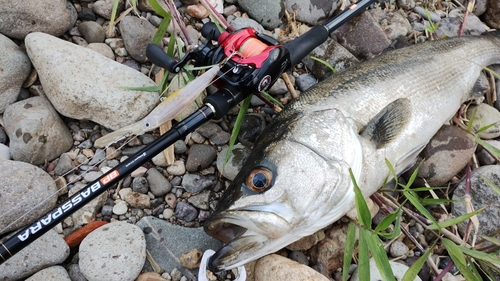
388 123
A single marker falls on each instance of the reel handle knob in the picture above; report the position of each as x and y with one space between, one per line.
157 56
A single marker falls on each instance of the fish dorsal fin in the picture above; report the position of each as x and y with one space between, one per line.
388 123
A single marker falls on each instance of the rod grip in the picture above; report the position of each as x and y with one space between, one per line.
303 45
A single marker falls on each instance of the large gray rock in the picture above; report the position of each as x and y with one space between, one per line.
115 251
267 13
27 192
48 250
83 84
14 68
37 133
18 18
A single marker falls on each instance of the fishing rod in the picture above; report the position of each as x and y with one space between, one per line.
255 62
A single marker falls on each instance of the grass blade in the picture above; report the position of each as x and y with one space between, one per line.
162 29
480 255
417 266
349 250
159 10
459 260
324 62
364 214
416 203
454 221
363 257
236 128
379 255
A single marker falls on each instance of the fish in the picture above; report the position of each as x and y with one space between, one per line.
165 111
296 180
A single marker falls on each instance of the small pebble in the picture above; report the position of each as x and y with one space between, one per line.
121 208
168 213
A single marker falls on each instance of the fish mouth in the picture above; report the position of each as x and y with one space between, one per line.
247 234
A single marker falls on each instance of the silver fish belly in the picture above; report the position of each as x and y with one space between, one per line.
296 180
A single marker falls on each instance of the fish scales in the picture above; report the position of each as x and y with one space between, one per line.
296 181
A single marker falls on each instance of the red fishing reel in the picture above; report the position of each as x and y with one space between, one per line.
253 60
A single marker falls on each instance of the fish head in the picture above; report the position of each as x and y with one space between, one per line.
297 170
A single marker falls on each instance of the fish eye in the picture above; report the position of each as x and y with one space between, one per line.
260 179
147 125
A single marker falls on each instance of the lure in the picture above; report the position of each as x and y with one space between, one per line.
165 111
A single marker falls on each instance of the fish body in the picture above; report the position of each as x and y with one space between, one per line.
165 111
296 181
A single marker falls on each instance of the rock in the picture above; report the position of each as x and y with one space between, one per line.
166 249
3 136
492 14
363 36
215 133
330 251
395 23
184 211
201 200
239 23
305 81
140 185
299 257
333 53
197 11
253 124
481 195
150 276
406 4
54 273
238 155
138 200
20 18
75 274
22 187
177 168
398 249
92 32
48 250
136 34
311 12
446 154
37 133
64 165
276 267
4 152
191 259
115 251
86 213
200 156
307 242
449 27
426 14
180 147
104 8
158 184
92 176
15 68
75 78
398 269
264 12
195 183
485 115
86 14
120 208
